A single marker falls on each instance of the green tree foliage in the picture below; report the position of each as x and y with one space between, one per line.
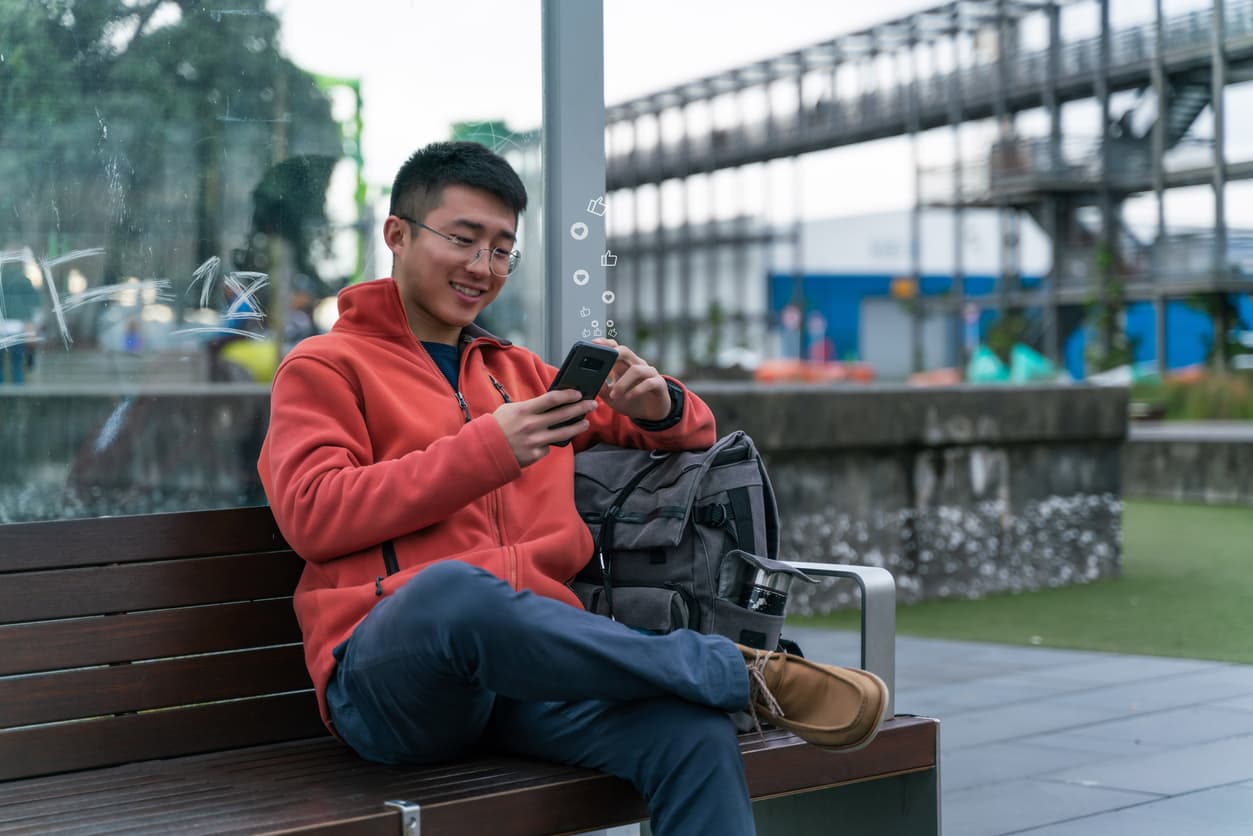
144 128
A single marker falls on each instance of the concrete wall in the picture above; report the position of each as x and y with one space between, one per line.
1190 461
959 492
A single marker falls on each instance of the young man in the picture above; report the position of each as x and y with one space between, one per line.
410 460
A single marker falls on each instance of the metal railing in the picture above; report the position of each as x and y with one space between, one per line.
1028 163
883 111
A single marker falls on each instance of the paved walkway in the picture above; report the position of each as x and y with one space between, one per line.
1070 743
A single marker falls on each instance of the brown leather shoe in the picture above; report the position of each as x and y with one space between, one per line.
836 708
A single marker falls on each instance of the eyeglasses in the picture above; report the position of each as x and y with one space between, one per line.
500 262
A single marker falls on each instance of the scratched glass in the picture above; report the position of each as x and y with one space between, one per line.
183 191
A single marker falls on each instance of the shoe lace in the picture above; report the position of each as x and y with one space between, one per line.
759 690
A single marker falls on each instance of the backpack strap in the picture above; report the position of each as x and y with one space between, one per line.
772 512
604 539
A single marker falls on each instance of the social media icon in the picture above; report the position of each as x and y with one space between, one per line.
582 277
578 231
607 297
585 312
597 206
608 259
608 323
595 323
613 333
595 332
586 333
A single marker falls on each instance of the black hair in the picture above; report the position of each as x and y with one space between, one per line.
419 185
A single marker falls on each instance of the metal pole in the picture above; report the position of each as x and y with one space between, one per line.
798 237
1053 209
955 119
1004 132
915 215
659 279
801 121
574 165
1109 234
1219 87
637 250
685 242
1159 183
740 269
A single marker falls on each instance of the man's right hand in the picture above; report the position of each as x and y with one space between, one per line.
526 423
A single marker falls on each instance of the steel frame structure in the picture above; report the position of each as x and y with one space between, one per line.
1183 62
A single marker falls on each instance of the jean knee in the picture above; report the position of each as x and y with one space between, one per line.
447 593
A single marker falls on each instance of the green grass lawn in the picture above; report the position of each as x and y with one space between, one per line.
1186 590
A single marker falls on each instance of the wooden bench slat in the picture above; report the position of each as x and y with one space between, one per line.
44 750
91 542
778 769
56 795
66 593
109 813
72 643
69 695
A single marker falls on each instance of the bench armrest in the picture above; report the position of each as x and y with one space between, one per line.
878 617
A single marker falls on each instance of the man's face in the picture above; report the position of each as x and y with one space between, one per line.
441 290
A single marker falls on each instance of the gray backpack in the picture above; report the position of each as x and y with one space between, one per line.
685 539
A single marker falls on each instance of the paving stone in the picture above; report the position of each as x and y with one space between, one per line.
1175 727
996 658
995 763
1014 721
1172 771
1117 669
1071 743
1078 740
1157 694
1224 811
1011 806
1044 681
1238 703
957 698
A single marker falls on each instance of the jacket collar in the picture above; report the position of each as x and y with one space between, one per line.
375 308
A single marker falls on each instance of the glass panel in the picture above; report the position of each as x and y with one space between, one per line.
184 191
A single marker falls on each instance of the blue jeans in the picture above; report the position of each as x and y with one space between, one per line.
457 661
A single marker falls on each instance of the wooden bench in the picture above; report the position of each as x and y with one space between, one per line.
151 677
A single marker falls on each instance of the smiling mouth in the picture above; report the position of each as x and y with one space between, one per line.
467 291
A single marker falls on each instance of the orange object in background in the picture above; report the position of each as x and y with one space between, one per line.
936 377
1187 374
799 371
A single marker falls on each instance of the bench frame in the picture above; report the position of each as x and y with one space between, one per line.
161 650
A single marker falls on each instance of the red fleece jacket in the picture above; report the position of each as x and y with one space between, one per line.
368 443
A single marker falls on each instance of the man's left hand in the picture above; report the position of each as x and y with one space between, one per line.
635 388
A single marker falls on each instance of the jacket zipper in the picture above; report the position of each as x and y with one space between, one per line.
465 410
500 389
493 498
500 524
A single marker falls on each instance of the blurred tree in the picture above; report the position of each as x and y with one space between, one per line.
143 127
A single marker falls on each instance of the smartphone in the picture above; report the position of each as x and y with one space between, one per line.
585 368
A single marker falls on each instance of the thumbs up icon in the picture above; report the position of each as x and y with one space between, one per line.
608 259
597 206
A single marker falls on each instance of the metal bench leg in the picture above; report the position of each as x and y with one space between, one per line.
878 617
